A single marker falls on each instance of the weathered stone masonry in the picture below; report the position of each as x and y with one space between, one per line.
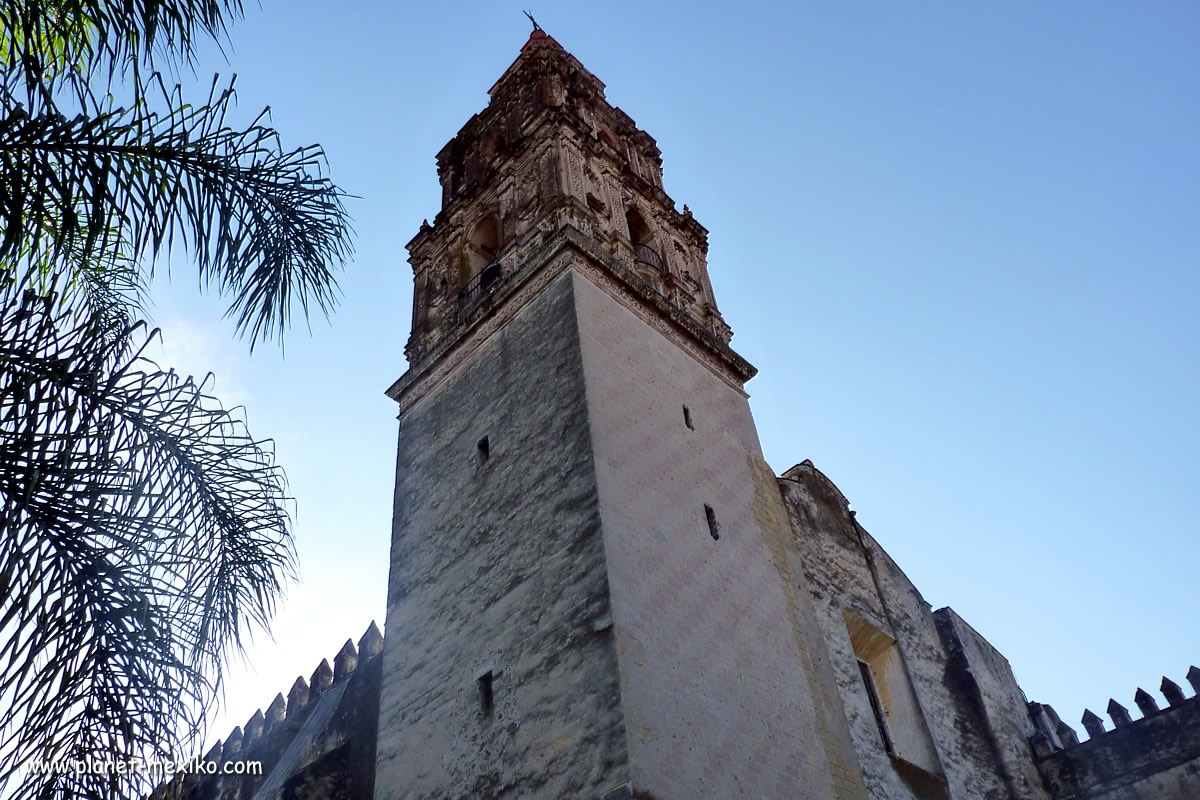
941 742
498 569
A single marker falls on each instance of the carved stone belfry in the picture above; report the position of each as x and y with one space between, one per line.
550 155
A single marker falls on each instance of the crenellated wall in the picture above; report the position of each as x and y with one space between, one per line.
1156 757
317 744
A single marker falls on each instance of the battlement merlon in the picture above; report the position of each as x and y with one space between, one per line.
1151 756
1049 724
300 695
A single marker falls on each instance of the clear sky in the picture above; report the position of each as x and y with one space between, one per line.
959 240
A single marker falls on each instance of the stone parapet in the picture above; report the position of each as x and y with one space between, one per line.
321 735
1156 757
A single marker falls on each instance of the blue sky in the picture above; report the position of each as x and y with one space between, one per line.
959 241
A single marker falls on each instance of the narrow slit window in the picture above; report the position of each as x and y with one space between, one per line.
714 529
484 450
687 418
486 695
876 706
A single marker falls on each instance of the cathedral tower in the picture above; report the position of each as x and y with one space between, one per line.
591 592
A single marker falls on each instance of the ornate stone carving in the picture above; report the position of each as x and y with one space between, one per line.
549 154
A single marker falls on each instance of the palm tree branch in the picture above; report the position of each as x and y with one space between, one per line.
264 225
48 45
142 526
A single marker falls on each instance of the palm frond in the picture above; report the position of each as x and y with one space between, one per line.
142 529
264 225
50 45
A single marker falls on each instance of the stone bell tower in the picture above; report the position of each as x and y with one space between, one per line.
591 591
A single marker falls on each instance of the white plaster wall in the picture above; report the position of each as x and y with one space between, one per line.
717 699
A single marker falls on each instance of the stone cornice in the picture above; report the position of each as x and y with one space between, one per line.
568 248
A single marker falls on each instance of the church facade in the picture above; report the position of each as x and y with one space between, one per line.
598 587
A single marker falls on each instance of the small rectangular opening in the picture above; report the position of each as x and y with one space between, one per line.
714 529
868 679
486 698
687 418
484 450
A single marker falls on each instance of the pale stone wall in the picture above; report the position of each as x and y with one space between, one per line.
720 667
982 677
499 567
849 572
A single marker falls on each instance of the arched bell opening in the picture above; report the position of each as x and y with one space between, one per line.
483 246
642 238
647 260
479 269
